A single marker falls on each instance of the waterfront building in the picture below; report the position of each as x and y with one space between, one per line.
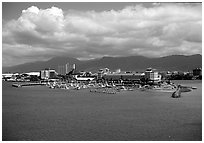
59 70
33 73
65 69
197 72
123 78
118 71
74 66
151 75
7 75
47 74
102 72
82 79
10 76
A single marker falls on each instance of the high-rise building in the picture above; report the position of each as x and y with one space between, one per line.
67 68
74 66
63 70
59 70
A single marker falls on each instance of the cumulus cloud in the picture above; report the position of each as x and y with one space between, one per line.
160 30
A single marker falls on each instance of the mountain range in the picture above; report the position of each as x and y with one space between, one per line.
131 63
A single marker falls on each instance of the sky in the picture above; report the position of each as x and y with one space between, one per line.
39 31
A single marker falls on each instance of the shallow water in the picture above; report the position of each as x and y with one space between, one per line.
40 113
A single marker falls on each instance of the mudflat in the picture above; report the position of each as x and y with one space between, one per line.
43 114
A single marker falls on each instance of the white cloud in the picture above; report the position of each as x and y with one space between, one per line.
160 30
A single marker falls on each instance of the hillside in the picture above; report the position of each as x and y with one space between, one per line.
131 63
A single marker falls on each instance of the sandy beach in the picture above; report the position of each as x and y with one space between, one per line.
43 114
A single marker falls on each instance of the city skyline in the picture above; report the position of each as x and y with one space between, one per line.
93 30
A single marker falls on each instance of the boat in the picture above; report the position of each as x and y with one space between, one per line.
194 87
16 85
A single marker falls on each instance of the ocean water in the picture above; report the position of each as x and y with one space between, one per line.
43 114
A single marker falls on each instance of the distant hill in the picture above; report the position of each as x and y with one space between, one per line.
40 65
131 63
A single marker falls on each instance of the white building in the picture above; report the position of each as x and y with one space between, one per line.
6 75
118 71
152 75
47 74
33 73
10 75
84 78
74 66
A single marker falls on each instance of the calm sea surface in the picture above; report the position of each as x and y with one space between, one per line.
43 114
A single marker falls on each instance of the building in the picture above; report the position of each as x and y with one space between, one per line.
10 76
82 79
7 75
47 74
105 70
65 69
102 72
118 71
74 66
151 75
197 72
33 73
52 74
124 78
